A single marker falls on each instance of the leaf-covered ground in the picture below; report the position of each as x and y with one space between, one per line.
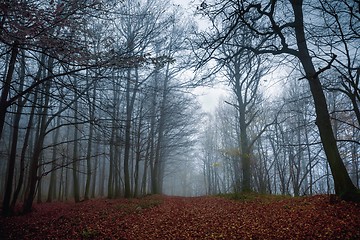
161 217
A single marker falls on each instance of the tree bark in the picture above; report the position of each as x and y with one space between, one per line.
130 100
52 184
34 164
75 160
127 189
6 87
245 154
138 152
89 147
6 210
23 151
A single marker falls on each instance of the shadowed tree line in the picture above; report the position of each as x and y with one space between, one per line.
91 101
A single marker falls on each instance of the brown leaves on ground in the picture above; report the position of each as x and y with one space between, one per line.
161 217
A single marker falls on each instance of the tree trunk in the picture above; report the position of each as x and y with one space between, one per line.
159 164
343 184
127 193
138 152
33 177
148 155
34 164
130 99
89 147
244 141
75 160
11 164
23 151
151 141
6 87
7 209
94 177
245 154
52 184
110 183
39 184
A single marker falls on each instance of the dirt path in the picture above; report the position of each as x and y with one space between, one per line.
189 218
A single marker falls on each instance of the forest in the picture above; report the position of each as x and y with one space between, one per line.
99 99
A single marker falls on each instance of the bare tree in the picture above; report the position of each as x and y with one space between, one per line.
280 27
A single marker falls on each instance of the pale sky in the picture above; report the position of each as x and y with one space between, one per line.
184 3
209 97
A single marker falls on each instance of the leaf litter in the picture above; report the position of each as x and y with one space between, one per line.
207 217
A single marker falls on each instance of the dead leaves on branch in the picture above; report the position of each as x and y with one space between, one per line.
157 217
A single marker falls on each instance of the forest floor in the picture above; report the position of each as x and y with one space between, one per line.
164 217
